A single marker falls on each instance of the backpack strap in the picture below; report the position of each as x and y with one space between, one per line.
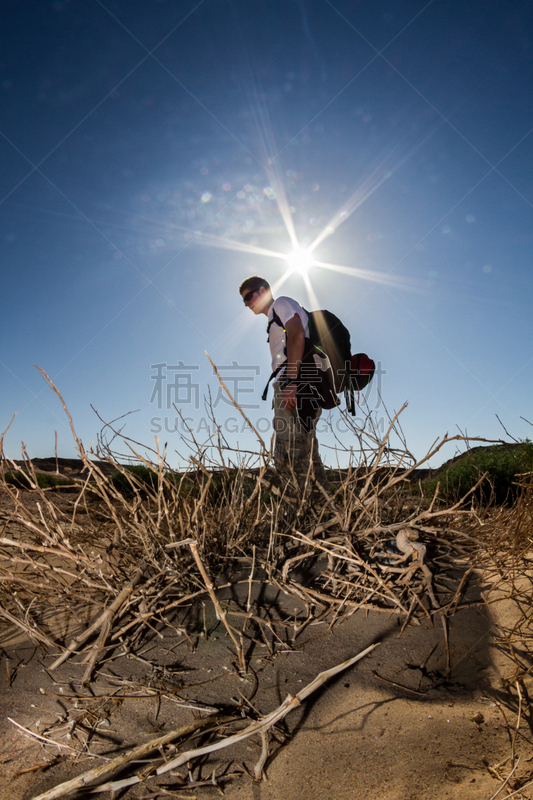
350 400
275 319
276 372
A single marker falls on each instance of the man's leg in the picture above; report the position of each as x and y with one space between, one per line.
295 450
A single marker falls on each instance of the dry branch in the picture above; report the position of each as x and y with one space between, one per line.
104 771
259 727
238 407
221 615
103 622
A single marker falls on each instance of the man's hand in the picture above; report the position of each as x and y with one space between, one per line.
288 396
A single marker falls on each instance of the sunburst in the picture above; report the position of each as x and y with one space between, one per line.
301 259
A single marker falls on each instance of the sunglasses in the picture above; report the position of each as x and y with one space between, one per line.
247 297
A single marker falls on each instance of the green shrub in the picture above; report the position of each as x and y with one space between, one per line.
21 480
502 464
141 476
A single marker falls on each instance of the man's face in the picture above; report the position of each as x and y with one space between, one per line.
256 299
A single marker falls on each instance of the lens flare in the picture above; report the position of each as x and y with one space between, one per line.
300 260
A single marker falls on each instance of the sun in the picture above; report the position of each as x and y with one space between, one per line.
300 260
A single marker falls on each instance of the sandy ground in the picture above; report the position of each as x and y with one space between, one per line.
410 733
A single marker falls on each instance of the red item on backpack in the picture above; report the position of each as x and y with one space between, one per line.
362 369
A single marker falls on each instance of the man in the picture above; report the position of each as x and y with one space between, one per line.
296 447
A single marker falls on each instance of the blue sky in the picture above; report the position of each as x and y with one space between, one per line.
152 155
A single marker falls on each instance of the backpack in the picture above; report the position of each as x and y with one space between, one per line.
352 372
316 382
330 337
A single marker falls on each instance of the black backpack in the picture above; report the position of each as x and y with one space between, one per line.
352 372
330 336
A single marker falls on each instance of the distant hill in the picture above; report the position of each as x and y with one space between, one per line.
67 467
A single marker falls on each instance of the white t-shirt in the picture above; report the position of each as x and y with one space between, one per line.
285 308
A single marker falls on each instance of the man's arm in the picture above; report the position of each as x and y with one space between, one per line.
295 349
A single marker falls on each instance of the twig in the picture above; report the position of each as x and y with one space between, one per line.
517 791
42 738
262 725
397 685
221 615
237 406
258 769
103 620
83 781
32 632
506 781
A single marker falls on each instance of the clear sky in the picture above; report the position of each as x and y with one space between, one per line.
154 154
